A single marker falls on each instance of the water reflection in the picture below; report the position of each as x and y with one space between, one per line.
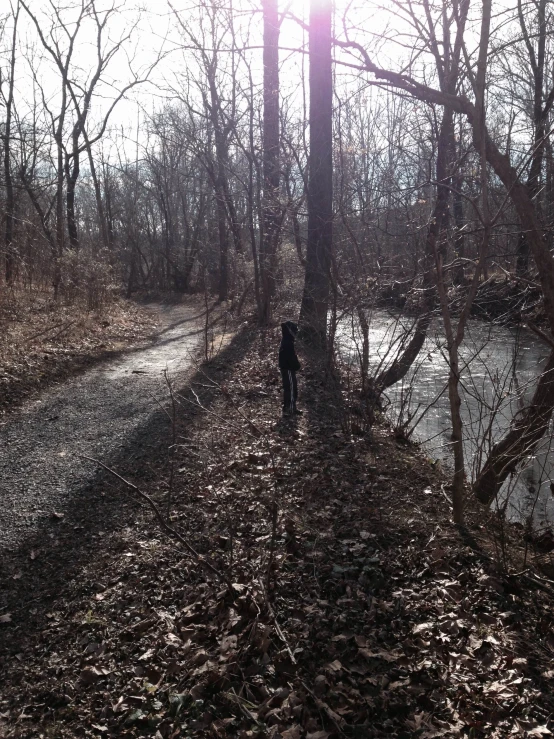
499 369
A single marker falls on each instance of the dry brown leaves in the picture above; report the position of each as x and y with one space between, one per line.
389 625
42 341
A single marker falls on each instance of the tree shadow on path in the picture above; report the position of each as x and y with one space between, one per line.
42 575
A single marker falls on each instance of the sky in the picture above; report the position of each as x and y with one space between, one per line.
156 49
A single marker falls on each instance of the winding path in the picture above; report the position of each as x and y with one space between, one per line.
105 413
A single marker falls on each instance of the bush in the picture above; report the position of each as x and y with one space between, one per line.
87 279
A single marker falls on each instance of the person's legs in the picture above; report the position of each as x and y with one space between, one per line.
295 396
287 391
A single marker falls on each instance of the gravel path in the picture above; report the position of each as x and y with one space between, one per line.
108 413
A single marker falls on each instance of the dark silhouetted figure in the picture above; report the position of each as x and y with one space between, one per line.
289 366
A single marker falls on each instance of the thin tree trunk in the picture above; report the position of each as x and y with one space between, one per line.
72 175
401 365
271 171
539 121
10 199
223 288
458 276
97 194
59 212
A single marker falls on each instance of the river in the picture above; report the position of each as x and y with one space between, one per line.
500 366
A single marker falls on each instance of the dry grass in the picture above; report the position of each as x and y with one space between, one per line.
42 341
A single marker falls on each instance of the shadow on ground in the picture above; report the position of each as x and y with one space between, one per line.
41 574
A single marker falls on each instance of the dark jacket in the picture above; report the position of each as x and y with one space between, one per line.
287 355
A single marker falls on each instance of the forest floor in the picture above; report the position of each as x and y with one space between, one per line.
43 342
345 604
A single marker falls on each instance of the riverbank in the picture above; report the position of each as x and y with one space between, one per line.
356 608
500 366
501 299
43 342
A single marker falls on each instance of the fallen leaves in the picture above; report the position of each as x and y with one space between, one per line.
33 354
396 628
90 675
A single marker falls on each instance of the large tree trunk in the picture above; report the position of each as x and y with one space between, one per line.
315 299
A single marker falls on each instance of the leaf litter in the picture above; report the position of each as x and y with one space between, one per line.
356 608
43 341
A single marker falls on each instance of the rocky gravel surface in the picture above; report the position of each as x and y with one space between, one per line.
48 493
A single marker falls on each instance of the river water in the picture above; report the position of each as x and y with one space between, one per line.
500 366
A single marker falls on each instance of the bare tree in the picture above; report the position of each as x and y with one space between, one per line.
9 212
271 218
315 299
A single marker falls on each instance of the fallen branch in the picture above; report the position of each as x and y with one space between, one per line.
228 395
276 623
163 523
443 491
198 404
51 328
245 706
540 333
337 720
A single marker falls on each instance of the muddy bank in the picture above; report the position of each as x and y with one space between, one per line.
500 299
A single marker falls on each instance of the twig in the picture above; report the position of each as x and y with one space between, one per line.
276 623
207 319
444 493
242 703
51 328
519 278
173 420
163 523
540 333
227 394
164 410
198 404
538 582
337 720
274 516
63 329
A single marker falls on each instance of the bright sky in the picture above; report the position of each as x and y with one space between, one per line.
155 38
156 33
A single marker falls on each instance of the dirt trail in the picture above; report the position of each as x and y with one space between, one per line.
100 413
